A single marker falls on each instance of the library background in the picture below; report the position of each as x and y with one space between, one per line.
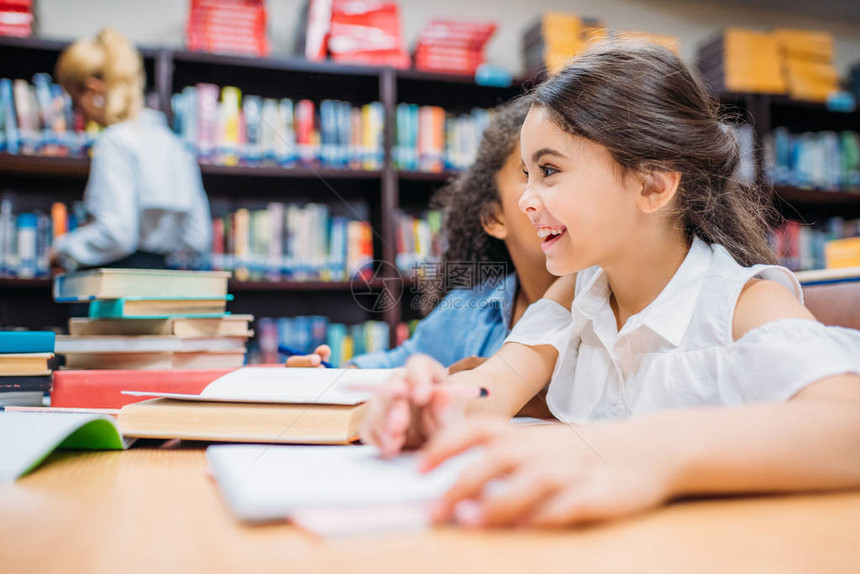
322 130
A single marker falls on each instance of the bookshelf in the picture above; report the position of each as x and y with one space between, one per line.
42 180
384 191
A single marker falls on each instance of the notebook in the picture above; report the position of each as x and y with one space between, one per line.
263 484
26 439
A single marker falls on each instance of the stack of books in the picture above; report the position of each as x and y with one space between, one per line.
366 33
16 18
25 374
222 127
151 319
665 40
452 46
740 60
808 63
555 38
231 26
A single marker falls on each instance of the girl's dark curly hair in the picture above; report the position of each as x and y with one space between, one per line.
473 197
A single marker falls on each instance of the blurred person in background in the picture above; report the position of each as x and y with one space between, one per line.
145 196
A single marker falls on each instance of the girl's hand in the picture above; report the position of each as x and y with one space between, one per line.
315 359
409 408
548 475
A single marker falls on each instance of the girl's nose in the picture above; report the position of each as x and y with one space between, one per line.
528 200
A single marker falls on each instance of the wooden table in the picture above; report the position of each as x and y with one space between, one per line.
156 510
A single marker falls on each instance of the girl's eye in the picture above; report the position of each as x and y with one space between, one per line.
547 171
525 172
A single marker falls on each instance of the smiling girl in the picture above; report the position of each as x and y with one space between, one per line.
688 348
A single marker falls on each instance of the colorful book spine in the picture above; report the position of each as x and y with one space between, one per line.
419 240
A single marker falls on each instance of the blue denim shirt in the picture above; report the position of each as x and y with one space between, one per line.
465 323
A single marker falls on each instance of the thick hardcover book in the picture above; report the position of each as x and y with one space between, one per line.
116 283
224 326
158 307
103 388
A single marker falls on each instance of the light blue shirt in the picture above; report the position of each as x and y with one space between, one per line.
144 193
465 323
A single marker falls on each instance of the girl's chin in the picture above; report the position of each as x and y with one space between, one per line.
559 268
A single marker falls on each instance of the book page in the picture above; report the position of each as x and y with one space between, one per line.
270 483
275 385
27 438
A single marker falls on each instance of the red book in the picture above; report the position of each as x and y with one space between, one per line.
103 389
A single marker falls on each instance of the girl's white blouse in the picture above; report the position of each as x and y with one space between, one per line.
679 351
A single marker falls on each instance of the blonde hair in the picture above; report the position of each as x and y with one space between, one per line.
110 57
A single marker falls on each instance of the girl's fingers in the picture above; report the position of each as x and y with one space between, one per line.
515 499
303 361
568 506
324 352
473 479
422 374
457 439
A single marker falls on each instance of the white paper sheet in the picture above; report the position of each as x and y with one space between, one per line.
272 483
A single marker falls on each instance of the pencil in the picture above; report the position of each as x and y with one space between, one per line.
459 391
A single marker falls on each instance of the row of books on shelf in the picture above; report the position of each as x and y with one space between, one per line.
26 238
306 333
430 139
38 118
281 242
223 127
291 242
299 243
823 160
802 247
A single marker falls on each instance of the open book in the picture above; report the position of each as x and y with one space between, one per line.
259 404
329 489
27 438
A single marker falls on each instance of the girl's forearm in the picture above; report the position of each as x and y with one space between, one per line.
804 444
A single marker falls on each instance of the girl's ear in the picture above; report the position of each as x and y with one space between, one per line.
95 85
494 224
658 190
